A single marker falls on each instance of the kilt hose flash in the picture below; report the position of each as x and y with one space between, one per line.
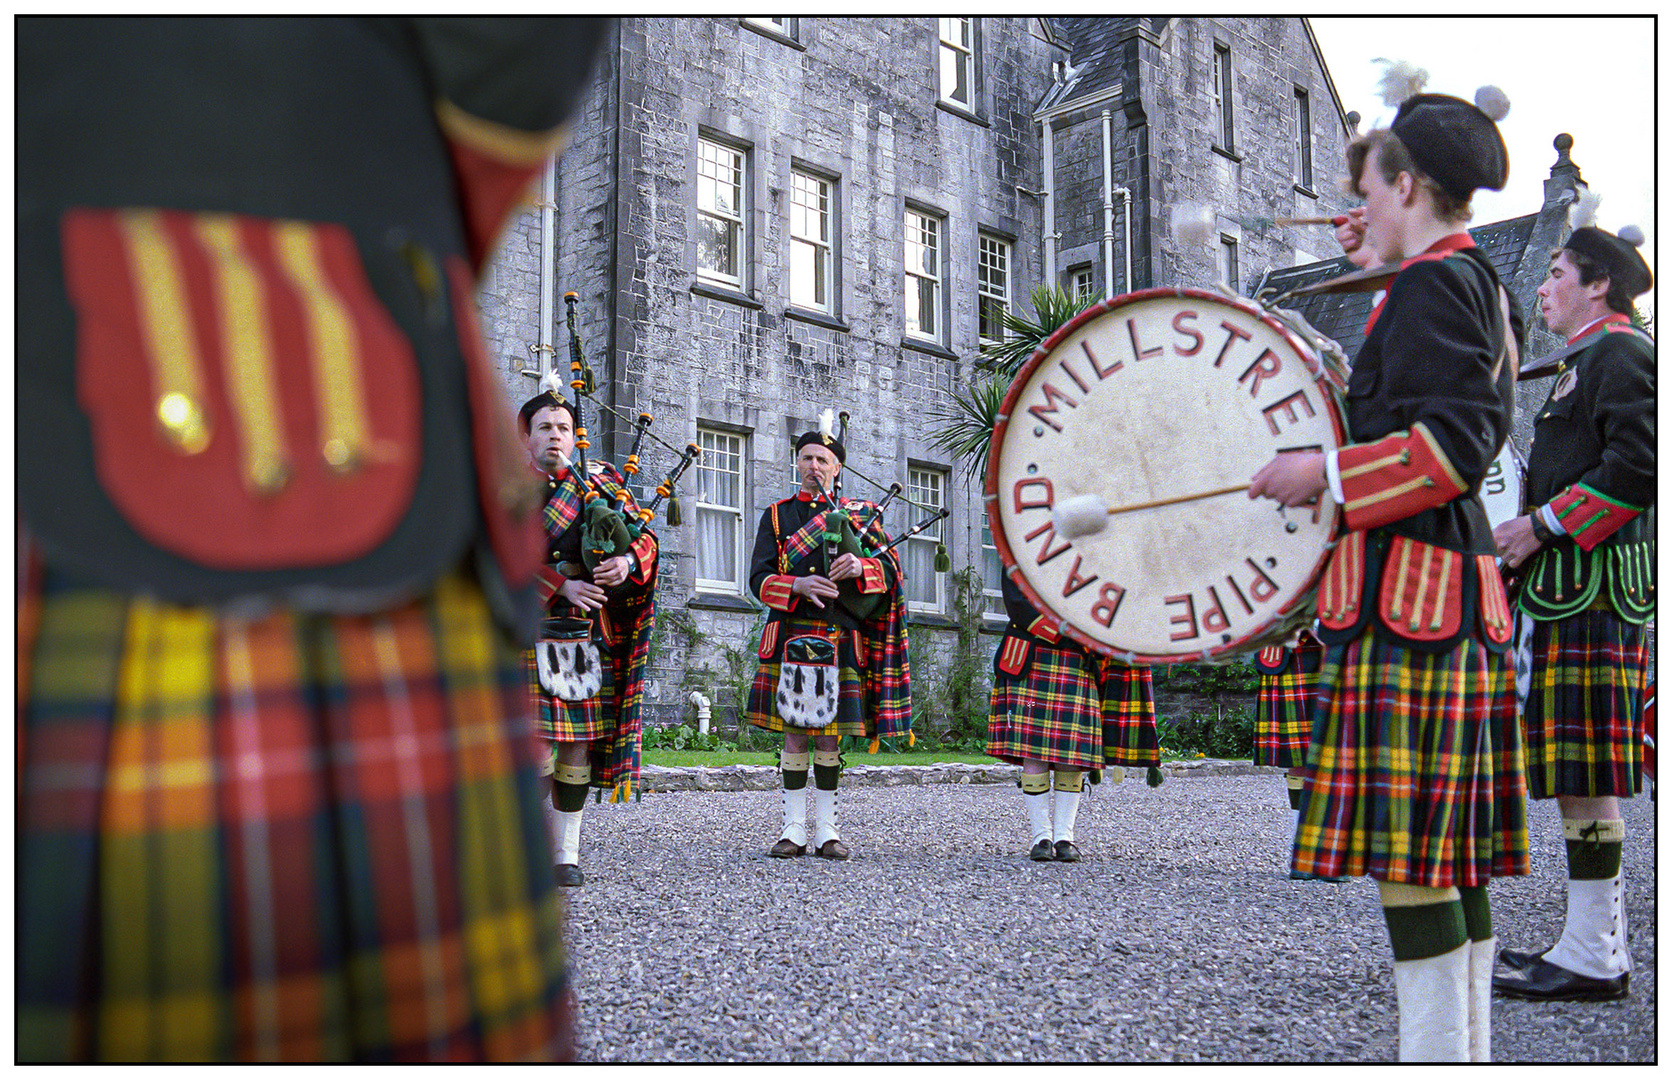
1073 710
1414 772
289 837
1583 716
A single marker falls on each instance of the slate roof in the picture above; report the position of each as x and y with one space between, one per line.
1093 53
1342 315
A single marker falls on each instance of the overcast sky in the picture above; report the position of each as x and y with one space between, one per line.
1593 78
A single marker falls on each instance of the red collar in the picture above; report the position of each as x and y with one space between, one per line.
1439 249
1607 322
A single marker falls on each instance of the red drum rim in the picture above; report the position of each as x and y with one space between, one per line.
1305 596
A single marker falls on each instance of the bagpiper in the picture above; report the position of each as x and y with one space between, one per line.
1588 550
833 654
1414 775
586 669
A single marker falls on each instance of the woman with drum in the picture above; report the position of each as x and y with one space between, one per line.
1414 773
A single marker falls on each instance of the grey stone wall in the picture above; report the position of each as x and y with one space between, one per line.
855 99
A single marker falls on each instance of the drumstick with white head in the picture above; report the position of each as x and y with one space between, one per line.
1084 515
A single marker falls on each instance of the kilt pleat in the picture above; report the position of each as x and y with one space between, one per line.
1073 710
1414 769
850 693
284 838
1583 716
1283 709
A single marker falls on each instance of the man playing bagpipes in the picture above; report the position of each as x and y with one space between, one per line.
833 654
586 670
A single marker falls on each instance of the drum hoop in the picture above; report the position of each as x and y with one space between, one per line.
1305 595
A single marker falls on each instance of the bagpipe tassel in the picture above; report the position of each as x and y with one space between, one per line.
943 561
676 513
876 744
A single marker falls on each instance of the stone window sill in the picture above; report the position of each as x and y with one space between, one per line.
933 348
1232 154
817 318
959 111
722 602
721 292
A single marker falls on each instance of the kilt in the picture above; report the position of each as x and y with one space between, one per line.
850 694
1283 710
1414 771
1073 710
1583 716
576 721
292 837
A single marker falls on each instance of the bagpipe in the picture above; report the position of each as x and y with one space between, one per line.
608 527
844 535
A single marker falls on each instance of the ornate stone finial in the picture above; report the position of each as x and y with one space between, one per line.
1563 143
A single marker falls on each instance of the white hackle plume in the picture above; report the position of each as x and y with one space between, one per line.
1079 516
827 420
1632 235
1583 212
550 383
1399 81
1493 102
1192 225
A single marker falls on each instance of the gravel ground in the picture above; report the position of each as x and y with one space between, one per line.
1178 937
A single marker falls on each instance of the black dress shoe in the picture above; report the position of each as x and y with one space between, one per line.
1545 981
832 849
1519 961
568 874
1067 852
786 849
1042 852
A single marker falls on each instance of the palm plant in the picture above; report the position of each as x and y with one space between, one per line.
964 428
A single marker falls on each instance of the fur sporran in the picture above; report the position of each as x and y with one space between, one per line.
808 683
567 660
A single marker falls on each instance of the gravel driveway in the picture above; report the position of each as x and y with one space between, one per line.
1178 937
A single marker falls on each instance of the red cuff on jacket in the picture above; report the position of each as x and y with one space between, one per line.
872 579
1043 629
777 592
1395 477
1589 516
547 581
644 550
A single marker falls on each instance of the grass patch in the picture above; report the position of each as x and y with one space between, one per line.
716 758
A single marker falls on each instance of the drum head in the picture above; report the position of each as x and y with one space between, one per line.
1162 395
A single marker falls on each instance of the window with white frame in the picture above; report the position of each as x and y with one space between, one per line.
1082 284
993 286
923 274
778 24
722 502
811 241
1222 110
957 62
720 212
1228 262
925 589
992 567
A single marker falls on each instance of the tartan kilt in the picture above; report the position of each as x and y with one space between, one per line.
1414 770
850 694
557 720
297 837
1283 711
1073 710
1583 716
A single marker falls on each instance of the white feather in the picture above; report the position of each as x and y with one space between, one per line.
1192 225
550 384
1583 212
1080 516
826 420
1493 102
1399 81
1632 235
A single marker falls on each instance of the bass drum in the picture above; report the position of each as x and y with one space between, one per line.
1156 403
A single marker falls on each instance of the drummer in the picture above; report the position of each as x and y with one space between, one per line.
1414 773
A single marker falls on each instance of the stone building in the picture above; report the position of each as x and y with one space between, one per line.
767 217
